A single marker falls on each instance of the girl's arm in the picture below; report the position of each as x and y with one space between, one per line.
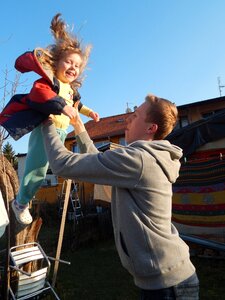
86 111
42 98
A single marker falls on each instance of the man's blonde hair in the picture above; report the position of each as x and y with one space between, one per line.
163 113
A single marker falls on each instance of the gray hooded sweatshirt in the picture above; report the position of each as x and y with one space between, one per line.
141 176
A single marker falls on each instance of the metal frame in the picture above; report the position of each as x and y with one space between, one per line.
30 284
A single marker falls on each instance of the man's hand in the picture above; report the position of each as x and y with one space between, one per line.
70 111
76 121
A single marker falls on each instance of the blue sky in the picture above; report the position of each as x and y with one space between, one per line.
172 48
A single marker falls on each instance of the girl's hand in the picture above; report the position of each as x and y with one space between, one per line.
94 116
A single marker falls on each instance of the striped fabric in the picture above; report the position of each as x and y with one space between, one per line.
199 193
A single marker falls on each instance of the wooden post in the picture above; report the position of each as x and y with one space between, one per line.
61 232
16 233
9 185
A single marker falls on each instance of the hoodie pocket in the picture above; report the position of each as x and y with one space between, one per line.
123 245
124 255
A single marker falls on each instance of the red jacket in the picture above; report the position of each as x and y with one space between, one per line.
26 111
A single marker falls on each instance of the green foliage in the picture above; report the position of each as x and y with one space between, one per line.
9 153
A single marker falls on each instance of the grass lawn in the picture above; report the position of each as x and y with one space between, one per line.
96 273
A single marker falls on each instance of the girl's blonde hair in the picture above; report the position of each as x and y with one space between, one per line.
163 113
65 42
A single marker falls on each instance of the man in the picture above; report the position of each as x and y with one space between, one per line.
141 175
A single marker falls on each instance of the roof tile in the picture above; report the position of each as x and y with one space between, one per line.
106 127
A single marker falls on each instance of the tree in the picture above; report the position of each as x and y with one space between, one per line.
9 88
16 234
9 153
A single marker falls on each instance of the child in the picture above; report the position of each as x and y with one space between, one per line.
60 65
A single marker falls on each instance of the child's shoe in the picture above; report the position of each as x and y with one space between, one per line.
22 213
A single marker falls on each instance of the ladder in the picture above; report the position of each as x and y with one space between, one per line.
75 209
75 201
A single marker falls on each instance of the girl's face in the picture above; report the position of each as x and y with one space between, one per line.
68 67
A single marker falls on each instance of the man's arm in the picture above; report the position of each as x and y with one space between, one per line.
121 167
77 123
83 140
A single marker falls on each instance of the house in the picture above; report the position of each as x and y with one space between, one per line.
109 129
199 193
192 112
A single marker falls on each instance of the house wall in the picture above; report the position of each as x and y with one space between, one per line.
21 166
195 113
115 139
48 193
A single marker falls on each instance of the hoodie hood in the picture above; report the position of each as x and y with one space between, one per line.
30 62
167 156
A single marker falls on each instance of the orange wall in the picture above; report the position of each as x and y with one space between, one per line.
50 193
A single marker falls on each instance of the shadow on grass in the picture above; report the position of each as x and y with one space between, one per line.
96 273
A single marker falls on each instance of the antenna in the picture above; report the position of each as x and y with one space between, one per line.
220 86
128 110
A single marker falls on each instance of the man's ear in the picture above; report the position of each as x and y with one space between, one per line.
152 128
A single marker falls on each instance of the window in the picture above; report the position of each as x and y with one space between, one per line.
219 110
208 114
122 141
75 148
50 180
101 143
183 121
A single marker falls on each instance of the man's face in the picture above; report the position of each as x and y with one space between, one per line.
137 128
